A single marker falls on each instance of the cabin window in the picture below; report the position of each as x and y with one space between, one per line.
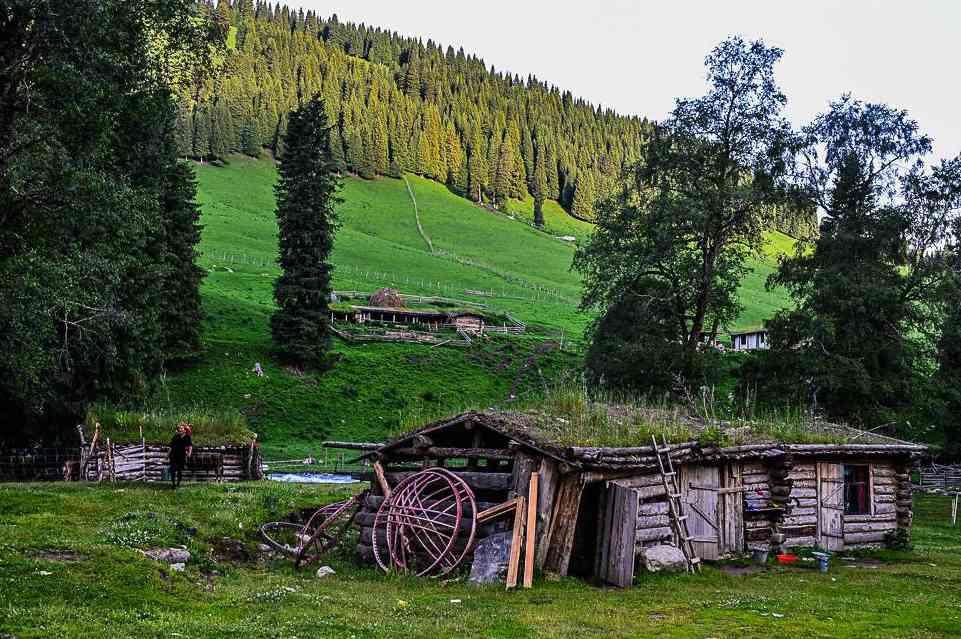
857 489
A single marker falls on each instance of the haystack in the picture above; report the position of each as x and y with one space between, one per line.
386 298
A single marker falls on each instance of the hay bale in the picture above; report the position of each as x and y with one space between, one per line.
386 298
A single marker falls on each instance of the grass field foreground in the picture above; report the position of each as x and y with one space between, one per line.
69 567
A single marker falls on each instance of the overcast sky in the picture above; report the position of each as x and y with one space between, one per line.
638 56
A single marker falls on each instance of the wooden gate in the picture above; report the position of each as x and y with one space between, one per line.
830 506
615 552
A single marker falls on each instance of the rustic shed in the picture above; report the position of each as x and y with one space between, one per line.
597 508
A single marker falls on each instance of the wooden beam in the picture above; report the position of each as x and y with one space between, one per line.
530 530
496 511
381 479
352 445
517 535
476 480
440 452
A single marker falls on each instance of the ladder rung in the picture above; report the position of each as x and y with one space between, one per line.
675 495
695 560
681 517
670 473
665 449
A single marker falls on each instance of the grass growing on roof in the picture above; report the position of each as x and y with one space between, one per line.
211 426
572 415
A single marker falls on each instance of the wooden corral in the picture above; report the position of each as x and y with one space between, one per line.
598 508
142 461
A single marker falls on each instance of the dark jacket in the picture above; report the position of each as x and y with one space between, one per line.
178 450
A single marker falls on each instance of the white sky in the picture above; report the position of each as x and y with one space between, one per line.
637 56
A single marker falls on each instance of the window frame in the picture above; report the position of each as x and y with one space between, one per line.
869 486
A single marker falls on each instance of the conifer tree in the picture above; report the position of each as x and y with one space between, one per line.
180 312
307 221
583 203
539 189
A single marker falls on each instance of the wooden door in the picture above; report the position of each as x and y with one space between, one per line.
831 506
699 496
618 521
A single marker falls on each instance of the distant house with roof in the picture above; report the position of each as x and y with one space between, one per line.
752 340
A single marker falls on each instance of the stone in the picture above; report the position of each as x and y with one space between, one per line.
664 558
178 567
168 555
490 559
325 571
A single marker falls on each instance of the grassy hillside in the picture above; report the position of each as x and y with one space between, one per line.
69 568
377 388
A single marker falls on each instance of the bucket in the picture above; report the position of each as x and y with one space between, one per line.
823 560
759 556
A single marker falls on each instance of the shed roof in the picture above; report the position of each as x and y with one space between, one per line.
545 435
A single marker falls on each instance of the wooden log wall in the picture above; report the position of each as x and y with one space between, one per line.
757 493
903 495
800 523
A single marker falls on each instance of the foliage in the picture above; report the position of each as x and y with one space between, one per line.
211 426
378 245
677 236
306 220
869 296
90 198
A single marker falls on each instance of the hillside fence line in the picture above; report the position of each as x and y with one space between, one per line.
540 293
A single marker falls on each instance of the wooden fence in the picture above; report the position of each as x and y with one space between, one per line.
941 476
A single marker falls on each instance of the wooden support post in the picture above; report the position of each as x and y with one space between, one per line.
381 479
513 563
530 531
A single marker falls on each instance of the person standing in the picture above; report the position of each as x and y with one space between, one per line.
181 447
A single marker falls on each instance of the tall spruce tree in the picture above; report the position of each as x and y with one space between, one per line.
539 189
181 311
858 342
307 221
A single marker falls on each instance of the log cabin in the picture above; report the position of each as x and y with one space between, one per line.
598 507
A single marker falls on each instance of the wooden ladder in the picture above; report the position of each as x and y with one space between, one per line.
677 517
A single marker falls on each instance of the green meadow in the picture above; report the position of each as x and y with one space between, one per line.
70 567
376 389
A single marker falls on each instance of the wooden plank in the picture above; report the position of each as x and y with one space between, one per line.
497 511
530 530
546 493
564 523
701 508
620 539
524 467
517 534
732 511
831 506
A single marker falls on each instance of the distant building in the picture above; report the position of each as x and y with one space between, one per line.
750 340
